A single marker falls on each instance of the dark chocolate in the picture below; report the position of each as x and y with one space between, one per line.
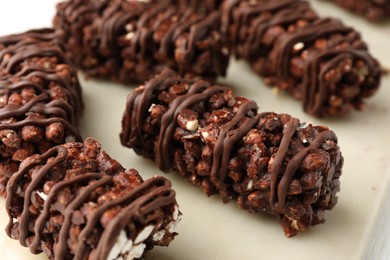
373 10
267 162
94 179
202 6
131 41
40 98
322 62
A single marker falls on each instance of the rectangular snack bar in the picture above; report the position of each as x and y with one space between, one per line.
320 61
266 162
130 41
374 10
40 98
75 202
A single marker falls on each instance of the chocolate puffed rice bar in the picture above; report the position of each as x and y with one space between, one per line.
75 202
131 41
40 98
320 61
266 162
374 10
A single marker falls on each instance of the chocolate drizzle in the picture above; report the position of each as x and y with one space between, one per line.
280 156
285 162
38 44
227 138
295 162
315 91
202 6
60 154
142 200
131 41
39 93
143 204
283 11
280 187
161 196
286 42
41 220
374 10
168 121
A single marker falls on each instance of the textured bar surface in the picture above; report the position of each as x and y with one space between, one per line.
131 41
319 61
203 6
40 98
374 10
267 162
75 202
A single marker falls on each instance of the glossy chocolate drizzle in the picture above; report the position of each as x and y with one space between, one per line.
230 134
245 23
203 6
144 33
154 18
55 110
38 44
150 195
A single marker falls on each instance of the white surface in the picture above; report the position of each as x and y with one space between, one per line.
378 241
212 230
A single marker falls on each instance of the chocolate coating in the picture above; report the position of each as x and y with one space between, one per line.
40 98
131 41
374 10
202 6
320 61
88 199
267 162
